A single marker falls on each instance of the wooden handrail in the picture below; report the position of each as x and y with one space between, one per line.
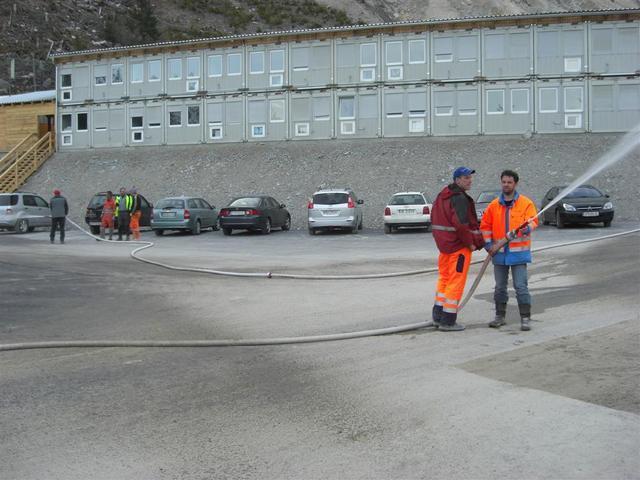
13 154
27 163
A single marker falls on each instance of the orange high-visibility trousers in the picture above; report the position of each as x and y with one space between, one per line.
134 224
453 269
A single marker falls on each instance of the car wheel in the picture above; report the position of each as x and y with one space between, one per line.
196 228
607 224
287 224
95 229
387 228
227 231
159 233
31 229
267 227
22 226
559 221
312 231
216 226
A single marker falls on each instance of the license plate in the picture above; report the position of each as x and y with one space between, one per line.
237 212
590 214
168 214
330 213
406 211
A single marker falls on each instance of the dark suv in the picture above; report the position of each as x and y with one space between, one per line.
94 212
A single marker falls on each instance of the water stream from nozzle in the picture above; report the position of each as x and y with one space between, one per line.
620 150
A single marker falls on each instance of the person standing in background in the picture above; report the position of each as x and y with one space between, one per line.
59 211
136 212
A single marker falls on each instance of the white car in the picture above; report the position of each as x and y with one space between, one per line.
407 209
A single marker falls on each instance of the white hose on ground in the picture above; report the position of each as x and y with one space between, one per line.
263 341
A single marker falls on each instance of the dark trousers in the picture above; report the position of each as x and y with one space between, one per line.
57 223
123 225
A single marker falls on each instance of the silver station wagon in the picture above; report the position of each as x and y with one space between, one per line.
183 213
23 212
334 208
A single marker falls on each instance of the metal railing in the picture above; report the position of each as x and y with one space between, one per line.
14 175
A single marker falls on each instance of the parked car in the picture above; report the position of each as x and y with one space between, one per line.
585 204
334 208
256 213
407 209
94 212
484 199
183 213
23 212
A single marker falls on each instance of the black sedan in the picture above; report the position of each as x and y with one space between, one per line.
585 204
255 212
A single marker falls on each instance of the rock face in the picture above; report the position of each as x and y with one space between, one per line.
374 168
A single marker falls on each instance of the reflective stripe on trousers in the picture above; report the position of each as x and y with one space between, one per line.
452 276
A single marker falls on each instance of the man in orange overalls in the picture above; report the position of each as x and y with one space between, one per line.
136 212
457 234
108 211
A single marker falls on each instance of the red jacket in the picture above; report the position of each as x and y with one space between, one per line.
454 221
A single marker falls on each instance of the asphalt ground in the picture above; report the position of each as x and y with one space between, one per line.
561 401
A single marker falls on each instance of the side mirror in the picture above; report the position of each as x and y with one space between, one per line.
360 202
282 205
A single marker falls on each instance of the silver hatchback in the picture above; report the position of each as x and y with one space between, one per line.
334 208
23 212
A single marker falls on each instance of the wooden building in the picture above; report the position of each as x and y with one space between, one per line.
24 114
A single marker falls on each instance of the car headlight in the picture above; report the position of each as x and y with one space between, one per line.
608 206
568 207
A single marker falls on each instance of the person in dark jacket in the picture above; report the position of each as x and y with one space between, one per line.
457 234
59 211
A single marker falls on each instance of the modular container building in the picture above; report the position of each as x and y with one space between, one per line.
540 73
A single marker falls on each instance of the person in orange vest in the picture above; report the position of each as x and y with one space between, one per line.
506 213
136 212
455 230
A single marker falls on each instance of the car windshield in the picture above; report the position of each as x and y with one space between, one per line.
486 197
170 203
407 200
330 198
97 201
8 200
588 192
246 202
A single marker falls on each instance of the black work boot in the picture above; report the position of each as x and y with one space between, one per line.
525 316
436 316
449 324
501 312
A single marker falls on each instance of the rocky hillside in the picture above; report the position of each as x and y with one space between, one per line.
30 29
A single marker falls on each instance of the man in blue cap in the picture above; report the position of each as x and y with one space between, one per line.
457 234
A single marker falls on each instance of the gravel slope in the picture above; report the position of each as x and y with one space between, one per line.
374 168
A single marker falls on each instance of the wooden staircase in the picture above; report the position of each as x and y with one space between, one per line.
24 160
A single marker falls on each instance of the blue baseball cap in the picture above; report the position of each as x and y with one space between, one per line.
462 171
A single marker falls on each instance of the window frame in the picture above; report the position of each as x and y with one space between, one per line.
175 125
209 64
375 54
86 114
154 62
298 133
271 52
190 59
253 55
189 109
70 116
519 112
141 126
284 113
564 103
386 52
495 90
353 100
115 67
62 83
258 125
424 51
174 61
132 70
229 71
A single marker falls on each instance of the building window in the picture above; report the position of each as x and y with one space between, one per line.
137 122
66 95
368 55
394 104
258 131
393 53
137 72
100 75
573 120
256 63
416 125
234 64
276 61
67 140
155 124
193 115
573 101
348 128
394 73
66 122
154 71
101 80
193 67
175 119
82 122
192 85
302 129
417 51
215 65
347 108
300 58
367 74
276 80
520 100
572 64
276 111
321 109
548 100
417 104
137 136
175 68
117 74
65 80
215 131
443 104
495 102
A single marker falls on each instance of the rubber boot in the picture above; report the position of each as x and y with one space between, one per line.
436 316
525 316
501 313
449 324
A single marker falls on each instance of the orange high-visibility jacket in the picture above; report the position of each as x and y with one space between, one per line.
498 220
